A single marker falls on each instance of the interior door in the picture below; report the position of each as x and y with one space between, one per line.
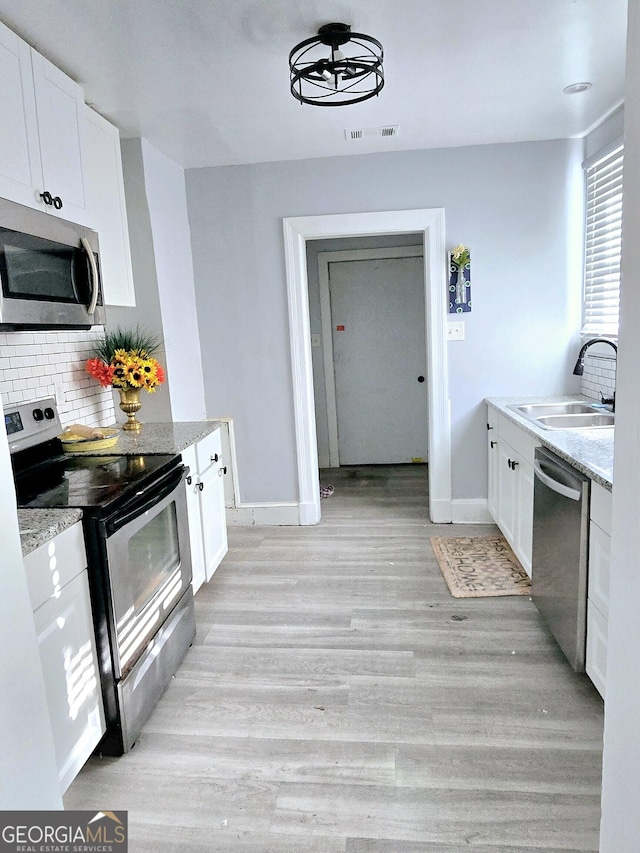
379 354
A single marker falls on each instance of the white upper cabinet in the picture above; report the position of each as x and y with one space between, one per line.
20 169
60 111
41 139
106 209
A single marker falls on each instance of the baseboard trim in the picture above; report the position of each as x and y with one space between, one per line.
268 514
440 511
472 511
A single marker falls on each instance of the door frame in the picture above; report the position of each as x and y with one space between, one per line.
297 230
324 259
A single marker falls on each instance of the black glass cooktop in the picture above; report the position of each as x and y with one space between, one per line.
87 481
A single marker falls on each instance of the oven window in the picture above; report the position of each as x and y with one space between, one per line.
154 555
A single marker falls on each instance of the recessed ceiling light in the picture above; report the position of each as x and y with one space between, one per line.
576 88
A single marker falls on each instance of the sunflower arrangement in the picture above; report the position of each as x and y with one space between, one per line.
124 359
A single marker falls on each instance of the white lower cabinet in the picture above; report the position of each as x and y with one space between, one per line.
510 453
492 448
598 586
59 590
596 664
206 506
510 500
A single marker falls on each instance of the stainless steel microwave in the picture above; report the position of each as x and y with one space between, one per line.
49 272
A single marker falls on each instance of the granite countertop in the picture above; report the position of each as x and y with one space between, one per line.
589 450
160 437
38 526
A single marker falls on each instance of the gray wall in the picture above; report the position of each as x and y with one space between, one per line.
147 313
163 275
518 207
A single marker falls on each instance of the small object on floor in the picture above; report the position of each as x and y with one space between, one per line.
477 566
326 491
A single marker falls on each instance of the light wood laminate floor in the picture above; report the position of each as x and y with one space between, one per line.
338 700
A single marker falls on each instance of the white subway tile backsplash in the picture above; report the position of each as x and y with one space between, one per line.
34 365
599 377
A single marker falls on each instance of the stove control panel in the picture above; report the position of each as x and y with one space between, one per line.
28 424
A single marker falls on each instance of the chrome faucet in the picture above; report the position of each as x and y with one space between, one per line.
578 370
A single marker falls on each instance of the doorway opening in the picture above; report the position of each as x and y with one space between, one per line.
430 222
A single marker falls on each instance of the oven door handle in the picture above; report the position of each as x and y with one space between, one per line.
145 500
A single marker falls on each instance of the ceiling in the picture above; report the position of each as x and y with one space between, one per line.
207 81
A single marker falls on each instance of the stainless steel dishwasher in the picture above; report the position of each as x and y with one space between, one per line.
560 548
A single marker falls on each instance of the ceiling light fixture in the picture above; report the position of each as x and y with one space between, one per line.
576 88
351 73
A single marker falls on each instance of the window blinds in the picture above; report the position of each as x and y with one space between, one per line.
603 240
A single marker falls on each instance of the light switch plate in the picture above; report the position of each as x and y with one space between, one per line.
455 331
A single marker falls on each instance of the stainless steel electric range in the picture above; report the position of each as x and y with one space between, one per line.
137 539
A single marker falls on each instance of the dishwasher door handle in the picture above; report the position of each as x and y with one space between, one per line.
560 488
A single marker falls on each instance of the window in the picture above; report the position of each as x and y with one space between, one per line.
603 240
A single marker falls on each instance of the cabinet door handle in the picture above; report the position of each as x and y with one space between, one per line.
214 458
222 471
189 480
57 202
493 444
46 197
489 426
512 464
201 485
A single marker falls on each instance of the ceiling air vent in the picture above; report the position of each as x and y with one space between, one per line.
371 132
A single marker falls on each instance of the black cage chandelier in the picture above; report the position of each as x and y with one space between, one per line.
352 72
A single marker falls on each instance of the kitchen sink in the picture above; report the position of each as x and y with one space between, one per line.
538 409
571 415
577 421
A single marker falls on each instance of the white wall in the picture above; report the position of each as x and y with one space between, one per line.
163 275
517 206
28 773
620 831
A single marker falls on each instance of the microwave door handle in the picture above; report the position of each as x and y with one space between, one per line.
94 276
